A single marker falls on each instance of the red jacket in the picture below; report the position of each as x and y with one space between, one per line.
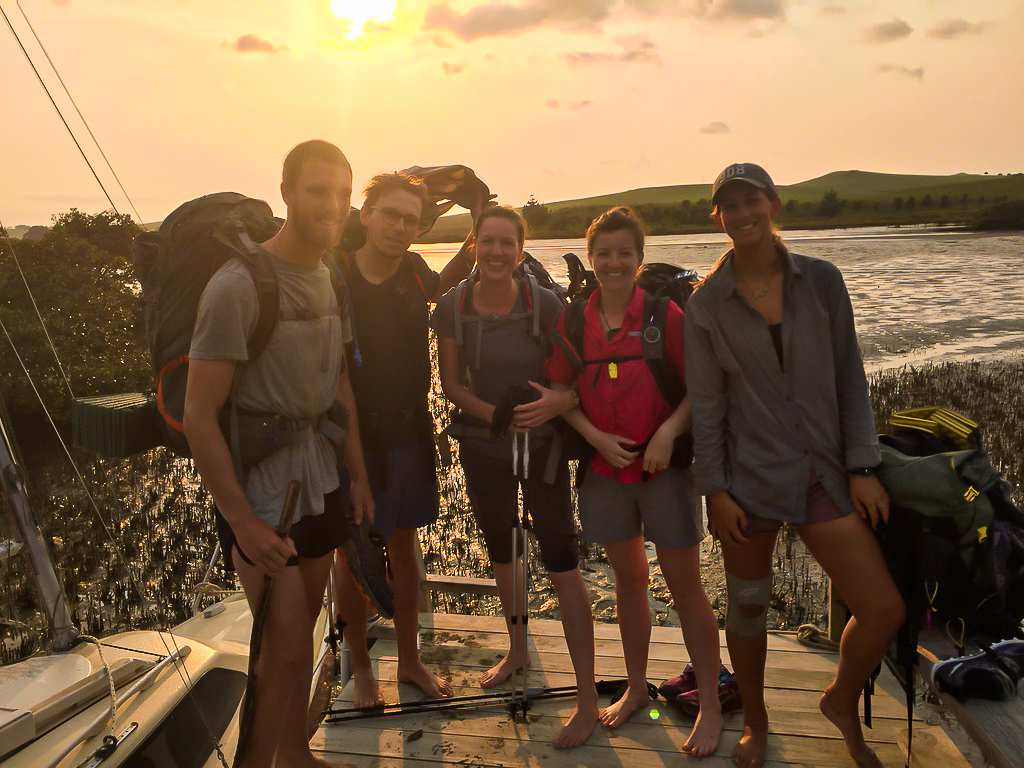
630 404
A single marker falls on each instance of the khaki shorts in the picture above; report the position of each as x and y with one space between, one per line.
664 510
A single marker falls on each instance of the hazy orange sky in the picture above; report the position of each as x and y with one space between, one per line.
556 98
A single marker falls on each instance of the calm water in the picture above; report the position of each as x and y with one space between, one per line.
919 296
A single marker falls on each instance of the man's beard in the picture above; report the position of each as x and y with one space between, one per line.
313 234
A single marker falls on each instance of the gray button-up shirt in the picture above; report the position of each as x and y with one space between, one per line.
759 429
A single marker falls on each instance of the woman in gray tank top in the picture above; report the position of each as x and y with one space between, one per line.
491 355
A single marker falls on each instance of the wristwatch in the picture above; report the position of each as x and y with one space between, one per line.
862 471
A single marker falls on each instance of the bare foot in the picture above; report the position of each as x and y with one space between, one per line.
579 726
367 692
750 749
500 672
433 687
848 722
616 714
703 740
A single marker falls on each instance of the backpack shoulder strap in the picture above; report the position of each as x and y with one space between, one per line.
338 266
572 341
655 315
531 300
463 292
267 296
420 271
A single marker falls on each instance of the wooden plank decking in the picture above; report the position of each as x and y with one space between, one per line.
461 647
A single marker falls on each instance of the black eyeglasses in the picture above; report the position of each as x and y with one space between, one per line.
392 217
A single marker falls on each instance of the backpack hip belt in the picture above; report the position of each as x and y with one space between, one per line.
254 437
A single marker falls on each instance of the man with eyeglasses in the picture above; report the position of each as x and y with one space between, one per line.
389 361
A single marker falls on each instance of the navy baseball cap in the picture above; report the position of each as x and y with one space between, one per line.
750 173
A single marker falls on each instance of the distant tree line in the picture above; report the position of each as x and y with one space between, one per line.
829 210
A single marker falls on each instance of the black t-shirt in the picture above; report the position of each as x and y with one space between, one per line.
389 359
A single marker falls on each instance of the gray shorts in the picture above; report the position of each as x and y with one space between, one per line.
663 510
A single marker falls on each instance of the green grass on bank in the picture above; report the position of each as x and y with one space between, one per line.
870 200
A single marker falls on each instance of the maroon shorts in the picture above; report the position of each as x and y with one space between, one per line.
820 509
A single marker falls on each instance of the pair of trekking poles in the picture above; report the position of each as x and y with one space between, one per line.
520 698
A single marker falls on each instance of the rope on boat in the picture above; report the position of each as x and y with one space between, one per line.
110 680
209 589
811 636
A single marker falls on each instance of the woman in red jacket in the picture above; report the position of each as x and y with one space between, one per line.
632 491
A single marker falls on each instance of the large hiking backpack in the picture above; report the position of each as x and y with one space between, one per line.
661 283
173 266
955 540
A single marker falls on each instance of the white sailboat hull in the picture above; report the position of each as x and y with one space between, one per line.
179 711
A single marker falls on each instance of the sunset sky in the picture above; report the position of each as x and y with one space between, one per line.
555 98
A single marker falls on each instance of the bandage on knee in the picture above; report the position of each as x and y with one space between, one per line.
747 614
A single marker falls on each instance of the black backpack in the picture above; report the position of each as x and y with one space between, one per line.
954 542
173 266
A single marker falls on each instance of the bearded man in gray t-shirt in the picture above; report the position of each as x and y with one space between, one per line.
297 376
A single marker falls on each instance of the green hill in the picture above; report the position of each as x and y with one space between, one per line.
872 194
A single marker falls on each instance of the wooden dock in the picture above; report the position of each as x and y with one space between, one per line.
460 648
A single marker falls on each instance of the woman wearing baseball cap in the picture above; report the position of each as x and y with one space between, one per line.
784 434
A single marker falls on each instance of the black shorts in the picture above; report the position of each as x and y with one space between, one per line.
493 492
313 536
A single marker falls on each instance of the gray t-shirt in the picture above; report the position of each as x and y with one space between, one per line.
295 376
509 353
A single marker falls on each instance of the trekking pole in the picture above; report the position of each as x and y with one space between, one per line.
604 688
514 613
524 529
256 639
518 588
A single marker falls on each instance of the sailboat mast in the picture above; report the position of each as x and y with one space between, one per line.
12 483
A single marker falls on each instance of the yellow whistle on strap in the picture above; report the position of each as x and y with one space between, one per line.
613 371
982 533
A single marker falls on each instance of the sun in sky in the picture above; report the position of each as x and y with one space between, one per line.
358 12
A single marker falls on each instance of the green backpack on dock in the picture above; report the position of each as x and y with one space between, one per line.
954 542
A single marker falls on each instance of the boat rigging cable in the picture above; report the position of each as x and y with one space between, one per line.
179 668
61 114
